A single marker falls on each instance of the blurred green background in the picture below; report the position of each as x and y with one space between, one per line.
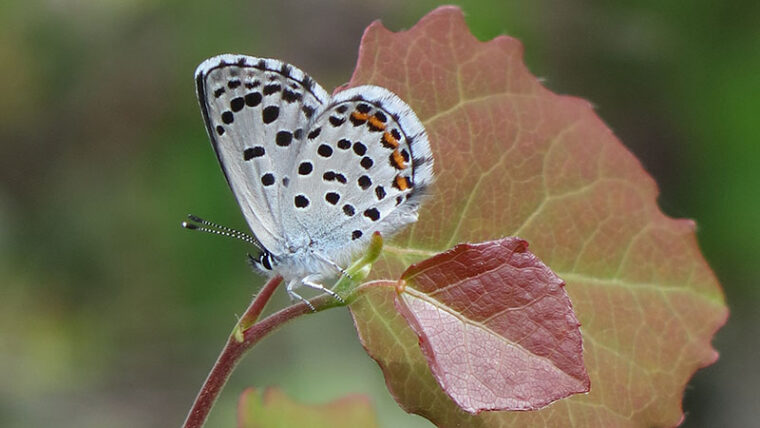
111 314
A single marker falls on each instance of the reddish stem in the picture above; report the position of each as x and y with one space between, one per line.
234 349
259 302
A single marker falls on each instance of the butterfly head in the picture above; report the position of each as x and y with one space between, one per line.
263 262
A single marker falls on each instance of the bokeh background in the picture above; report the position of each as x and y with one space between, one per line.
111 314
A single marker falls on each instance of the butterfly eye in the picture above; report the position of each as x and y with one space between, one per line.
265 259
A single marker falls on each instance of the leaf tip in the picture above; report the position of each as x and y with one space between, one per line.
521 245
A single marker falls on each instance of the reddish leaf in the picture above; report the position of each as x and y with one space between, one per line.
272 408
514 159
496 327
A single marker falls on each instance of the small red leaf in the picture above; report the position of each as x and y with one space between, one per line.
496 326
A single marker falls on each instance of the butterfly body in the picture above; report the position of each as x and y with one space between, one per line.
314 175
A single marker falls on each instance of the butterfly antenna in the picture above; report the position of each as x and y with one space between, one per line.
207 223
217 229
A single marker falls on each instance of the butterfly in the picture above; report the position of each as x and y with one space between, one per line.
315 175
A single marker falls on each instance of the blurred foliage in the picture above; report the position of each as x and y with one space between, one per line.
111 315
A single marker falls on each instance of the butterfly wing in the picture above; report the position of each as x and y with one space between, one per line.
256 111
363 167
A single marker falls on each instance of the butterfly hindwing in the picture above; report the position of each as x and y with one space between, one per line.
362 168
257 113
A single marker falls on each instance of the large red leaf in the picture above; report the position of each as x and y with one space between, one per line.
514 159
496 326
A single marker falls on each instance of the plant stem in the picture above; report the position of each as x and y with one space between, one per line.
259 302
247 332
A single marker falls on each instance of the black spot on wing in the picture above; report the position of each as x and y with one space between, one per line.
253 99
344 144
364 182
359 148
305 168
270 114
267 179
367 162
253 152
372 214
308 111
272 88
332 197
337 121
301 201
325 151
283 138
334 176
237 104
315 133
291 96
380 192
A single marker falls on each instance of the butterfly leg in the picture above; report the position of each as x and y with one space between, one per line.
334 265
309 282
295 296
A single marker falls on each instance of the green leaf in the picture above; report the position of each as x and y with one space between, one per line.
514 159
272 408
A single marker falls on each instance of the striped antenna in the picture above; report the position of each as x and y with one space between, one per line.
211 227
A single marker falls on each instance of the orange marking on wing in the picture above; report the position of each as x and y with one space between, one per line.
376 123
402 183
360 116
398 160
389 140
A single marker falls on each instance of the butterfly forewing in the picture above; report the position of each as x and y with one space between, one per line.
362 168
257 113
